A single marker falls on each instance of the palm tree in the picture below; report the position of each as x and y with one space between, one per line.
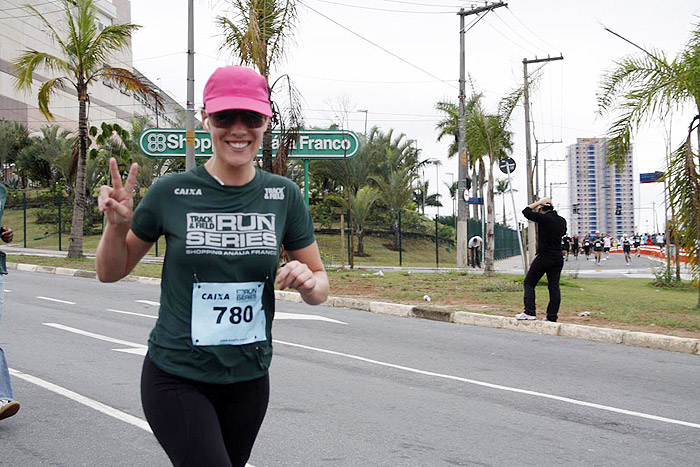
47 159
84 52
645 86
361 205
503 187
394 178
487 135
14 137
448 126
257 35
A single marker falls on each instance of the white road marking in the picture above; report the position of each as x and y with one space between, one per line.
131 345
496 386
132 313
93 404
148 302
296 316
55 300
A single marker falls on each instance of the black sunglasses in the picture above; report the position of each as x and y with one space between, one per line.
227 118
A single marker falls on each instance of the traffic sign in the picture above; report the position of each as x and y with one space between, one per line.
507 164
651 177
310 144
475 201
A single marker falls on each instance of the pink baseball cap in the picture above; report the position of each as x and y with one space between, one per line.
236 88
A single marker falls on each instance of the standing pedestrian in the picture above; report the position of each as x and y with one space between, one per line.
474 245
8 405
551 227
205 383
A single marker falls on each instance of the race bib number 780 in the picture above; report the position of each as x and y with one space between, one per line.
227 313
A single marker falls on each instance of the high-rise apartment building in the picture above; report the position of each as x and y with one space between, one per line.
602 197
21 30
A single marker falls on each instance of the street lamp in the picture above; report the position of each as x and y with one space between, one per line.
452 184
365 112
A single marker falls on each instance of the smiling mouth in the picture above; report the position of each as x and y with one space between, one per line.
238 144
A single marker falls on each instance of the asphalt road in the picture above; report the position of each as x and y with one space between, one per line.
349 388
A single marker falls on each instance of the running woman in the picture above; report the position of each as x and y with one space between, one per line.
575 247
626 247
597 247
565 246
637 242
586 246
204 383
606 245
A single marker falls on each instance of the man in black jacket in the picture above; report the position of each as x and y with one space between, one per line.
551 228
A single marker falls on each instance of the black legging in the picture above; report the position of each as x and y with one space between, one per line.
552 266
202 424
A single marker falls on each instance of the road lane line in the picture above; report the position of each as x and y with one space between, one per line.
96 336
497 386
138 348
132 313
93 404
55 300
148 302
280 315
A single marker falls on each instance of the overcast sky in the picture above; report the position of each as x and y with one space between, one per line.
396 59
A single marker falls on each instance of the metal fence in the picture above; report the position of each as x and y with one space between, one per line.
382 239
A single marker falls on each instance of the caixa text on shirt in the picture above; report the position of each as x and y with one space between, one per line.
231 234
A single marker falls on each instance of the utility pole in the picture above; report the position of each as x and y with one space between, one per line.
545 175
537 166
462 207
528 149
189 125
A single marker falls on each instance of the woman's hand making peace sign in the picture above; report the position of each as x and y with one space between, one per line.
117 201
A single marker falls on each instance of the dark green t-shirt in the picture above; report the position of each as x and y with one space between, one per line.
216 235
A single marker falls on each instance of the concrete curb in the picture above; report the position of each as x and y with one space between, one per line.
575 331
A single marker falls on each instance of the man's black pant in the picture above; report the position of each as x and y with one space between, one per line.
476 256
550 265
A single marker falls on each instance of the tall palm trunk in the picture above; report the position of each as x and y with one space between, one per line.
397 228
360 242
75 248
692 172
267 150
504 208
490 226
475 182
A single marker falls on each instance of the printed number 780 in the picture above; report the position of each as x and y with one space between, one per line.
237 314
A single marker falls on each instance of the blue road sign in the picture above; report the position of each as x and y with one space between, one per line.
651 177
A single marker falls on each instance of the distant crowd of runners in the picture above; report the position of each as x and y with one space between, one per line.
600 245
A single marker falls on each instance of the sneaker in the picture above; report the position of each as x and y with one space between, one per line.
524 315
8 408
549 321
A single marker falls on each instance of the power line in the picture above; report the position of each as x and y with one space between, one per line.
531 32
22 7
378 46
386 9
366 82
518 34
420 4
30 15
